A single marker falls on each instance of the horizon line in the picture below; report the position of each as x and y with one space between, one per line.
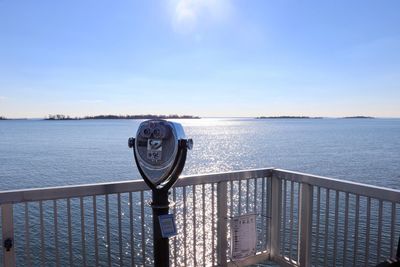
221 117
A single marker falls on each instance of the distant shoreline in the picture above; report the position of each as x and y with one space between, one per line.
119 117
359 117
287 117
307 117
143 117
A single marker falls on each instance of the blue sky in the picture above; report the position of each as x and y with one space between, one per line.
200 57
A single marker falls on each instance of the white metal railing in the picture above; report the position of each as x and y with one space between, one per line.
331 222
302 220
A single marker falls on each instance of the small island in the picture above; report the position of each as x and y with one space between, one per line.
358 117
288 117
120 117
2 118
59 117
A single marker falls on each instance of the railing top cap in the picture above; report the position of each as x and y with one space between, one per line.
378 192
71 191
84 190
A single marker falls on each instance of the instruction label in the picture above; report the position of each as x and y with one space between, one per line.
167 225
243 236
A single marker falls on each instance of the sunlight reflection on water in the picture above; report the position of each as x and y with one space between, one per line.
42 153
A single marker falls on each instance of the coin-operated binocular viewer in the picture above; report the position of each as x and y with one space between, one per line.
160 149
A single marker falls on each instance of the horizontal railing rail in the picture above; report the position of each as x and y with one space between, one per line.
302 220
367 190
71 191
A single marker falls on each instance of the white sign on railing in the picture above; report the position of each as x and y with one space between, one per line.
243 236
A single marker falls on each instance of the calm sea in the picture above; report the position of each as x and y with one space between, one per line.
37 153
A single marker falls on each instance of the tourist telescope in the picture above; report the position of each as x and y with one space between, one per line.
160 149
235 218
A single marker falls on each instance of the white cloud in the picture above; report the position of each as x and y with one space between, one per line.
188 15
2 98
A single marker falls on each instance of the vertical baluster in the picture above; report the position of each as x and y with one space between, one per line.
108 230
56 231
283 245
175 238
143 229
356 230
255 209
326 228
231 193
27 237
240 197
291 219
305 224
247 195
336 227
96 244
255 196
274 209
131 229
71 258
317 225
378 247
263 215
298 235
222 210
392 230
7 231
83 232
346 223
367 231
184 225
298 222
212 226
42 246
194 224
204 222
121 261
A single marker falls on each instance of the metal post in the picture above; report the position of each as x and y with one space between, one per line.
274 214
398 249
222 227
161 245
7 225
305 224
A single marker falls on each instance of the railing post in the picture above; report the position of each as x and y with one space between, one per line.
222 226
274 214
305 224
7 226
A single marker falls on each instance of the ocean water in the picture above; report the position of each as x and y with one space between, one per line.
37 153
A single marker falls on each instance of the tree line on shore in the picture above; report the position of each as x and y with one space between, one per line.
113 117
307 117
287 117
174 116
